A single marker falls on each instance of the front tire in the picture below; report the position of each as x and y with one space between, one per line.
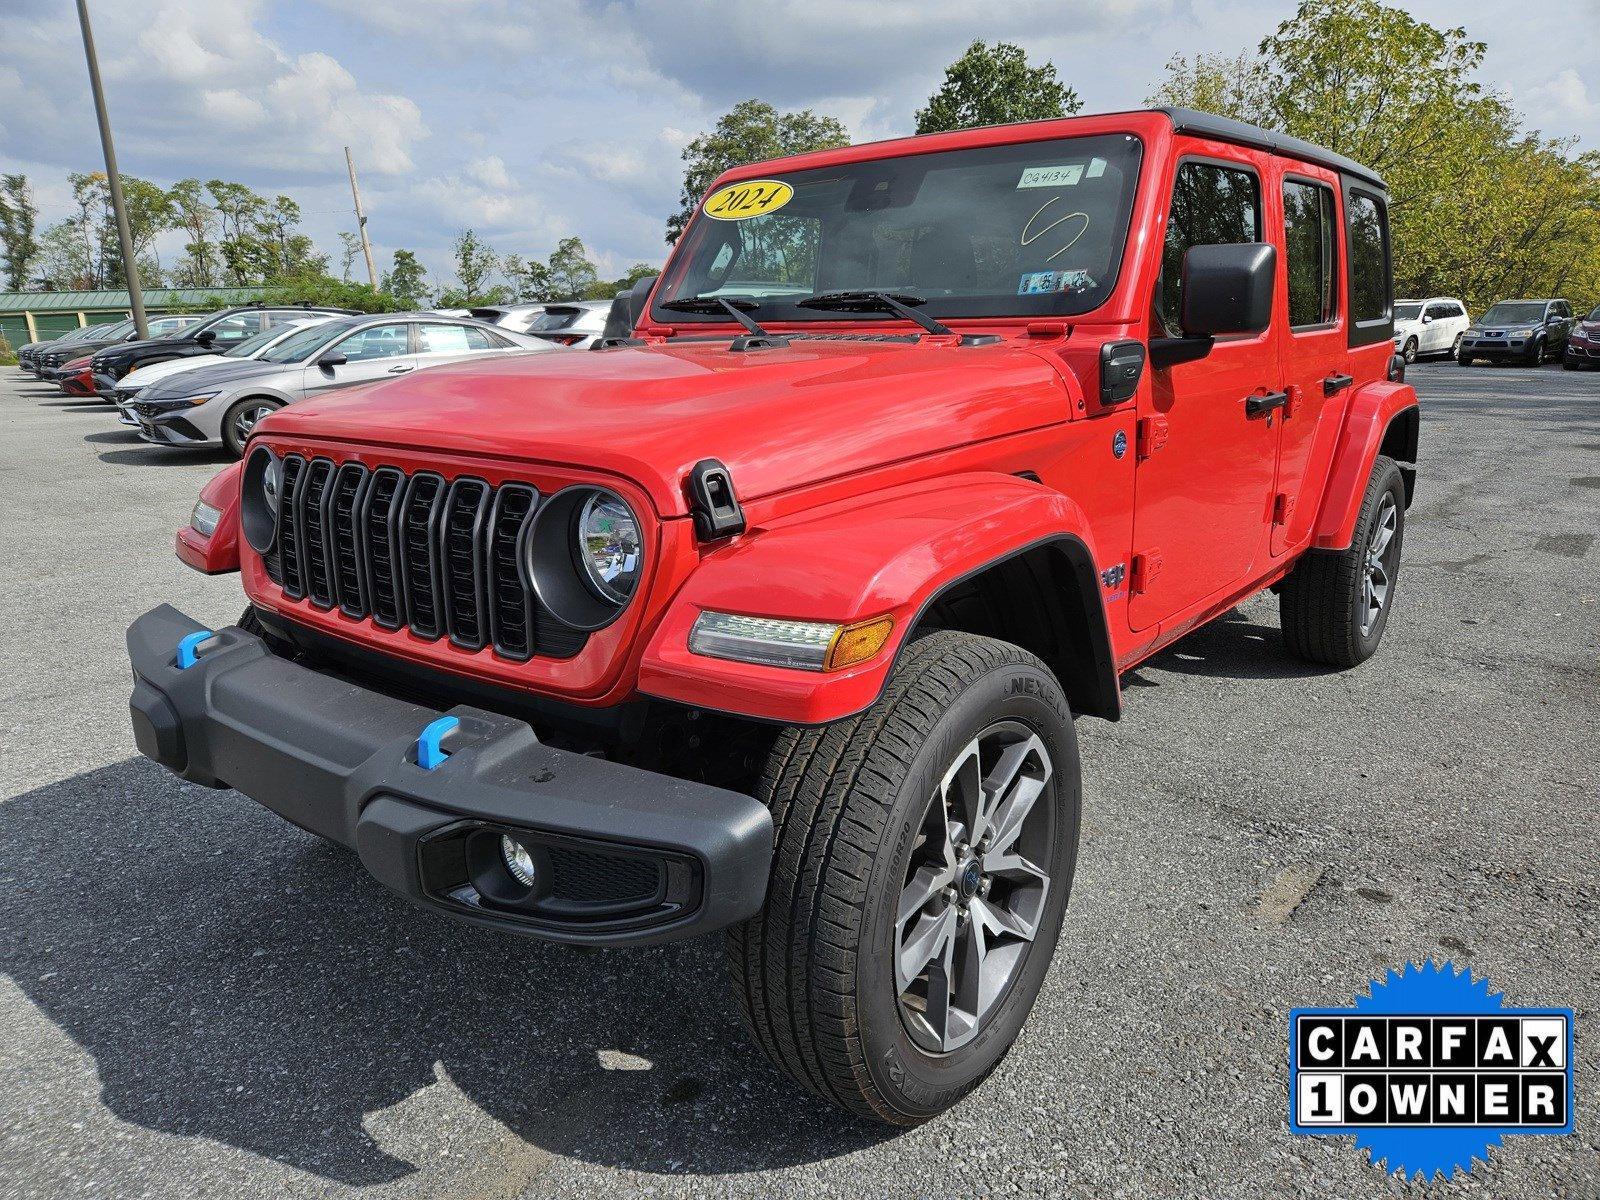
1334 605
1410 352
241 418
925 851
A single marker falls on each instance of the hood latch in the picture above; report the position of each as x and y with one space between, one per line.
713 503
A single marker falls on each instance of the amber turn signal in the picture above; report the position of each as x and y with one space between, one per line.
857 643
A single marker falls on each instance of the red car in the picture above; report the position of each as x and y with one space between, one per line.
75 378
775 616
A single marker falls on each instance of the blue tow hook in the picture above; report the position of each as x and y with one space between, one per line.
430 754
189 648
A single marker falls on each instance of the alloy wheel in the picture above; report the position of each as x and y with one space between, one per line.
246 420
1378 568
976 886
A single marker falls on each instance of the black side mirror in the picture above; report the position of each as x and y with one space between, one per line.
638 295
1228 289
206 336
332 359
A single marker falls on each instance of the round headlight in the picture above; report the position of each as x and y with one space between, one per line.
583 553
259 493
608 547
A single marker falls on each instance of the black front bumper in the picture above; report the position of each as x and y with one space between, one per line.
626 856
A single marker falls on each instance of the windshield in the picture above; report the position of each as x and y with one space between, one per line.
1514 313
1407 312
298 347
111 332
250 346
1033 229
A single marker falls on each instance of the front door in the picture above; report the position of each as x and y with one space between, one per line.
1203 483
376 352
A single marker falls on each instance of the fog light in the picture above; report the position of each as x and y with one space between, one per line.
518 861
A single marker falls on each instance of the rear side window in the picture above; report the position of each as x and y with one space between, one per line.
1212 205
1308 220
1368 232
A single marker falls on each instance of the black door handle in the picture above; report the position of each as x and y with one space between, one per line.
1334 384
1254 406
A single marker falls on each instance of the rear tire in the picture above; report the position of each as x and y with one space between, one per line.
1464 359
859 895
1335 605
1455 347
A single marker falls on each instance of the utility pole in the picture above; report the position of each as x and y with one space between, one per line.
361 217
130 269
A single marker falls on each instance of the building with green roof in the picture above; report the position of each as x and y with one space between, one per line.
45 316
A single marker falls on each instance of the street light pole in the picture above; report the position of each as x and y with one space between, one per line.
130 269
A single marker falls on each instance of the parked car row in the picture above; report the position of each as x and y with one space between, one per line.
1522 331
205 380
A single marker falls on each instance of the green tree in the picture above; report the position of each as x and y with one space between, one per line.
1479 207
1238 86
406 281
245 260
529 278
310 285
19 217
571 272
995 85
476 264
605 289
751 131
201 264
63 261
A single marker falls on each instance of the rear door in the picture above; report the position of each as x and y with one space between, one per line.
1200 500
441 342
375 352
1315 349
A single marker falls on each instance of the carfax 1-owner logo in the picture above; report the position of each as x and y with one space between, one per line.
1430 1070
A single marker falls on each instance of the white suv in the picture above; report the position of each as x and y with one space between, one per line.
1429 326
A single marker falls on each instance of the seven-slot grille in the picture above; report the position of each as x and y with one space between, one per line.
414 551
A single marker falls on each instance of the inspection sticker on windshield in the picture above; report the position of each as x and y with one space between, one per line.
1430 1070
1064 176
741 201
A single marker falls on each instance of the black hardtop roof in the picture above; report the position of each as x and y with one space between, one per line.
1226 129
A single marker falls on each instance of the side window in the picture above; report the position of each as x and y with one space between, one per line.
444 339
1212 205
477 339
237 328
1309 241
378 341
1369 262
1562 310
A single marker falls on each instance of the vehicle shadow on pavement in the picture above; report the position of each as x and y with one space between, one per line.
236 979
1234 647
158 456
122 435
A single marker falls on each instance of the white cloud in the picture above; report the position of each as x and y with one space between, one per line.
490 172
196 86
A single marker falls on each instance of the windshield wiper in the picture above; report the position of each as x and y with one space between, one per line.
716 306
898 303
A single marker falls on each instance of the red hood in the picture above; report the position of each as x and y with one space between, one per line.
777 418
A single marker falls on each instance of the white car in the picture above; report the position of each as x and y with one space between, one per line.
136 380
576 323
1434 326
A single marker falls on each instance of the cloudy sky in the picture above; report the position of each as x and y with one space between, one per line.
529 120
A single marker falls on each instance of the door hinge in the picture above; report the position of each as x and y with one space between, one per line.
1151 435
1142 572
1282 506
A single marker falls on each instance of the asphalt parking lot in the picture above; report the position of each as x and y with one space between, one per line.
199 1000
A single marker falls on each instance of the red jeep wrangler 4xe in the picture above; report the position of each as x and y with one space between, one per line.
774 617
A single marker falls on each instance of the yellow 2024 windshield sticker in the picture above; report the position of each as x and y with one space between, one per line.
741 201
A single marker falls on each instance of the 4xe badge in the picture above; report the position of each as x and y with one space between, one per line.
1430 1070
